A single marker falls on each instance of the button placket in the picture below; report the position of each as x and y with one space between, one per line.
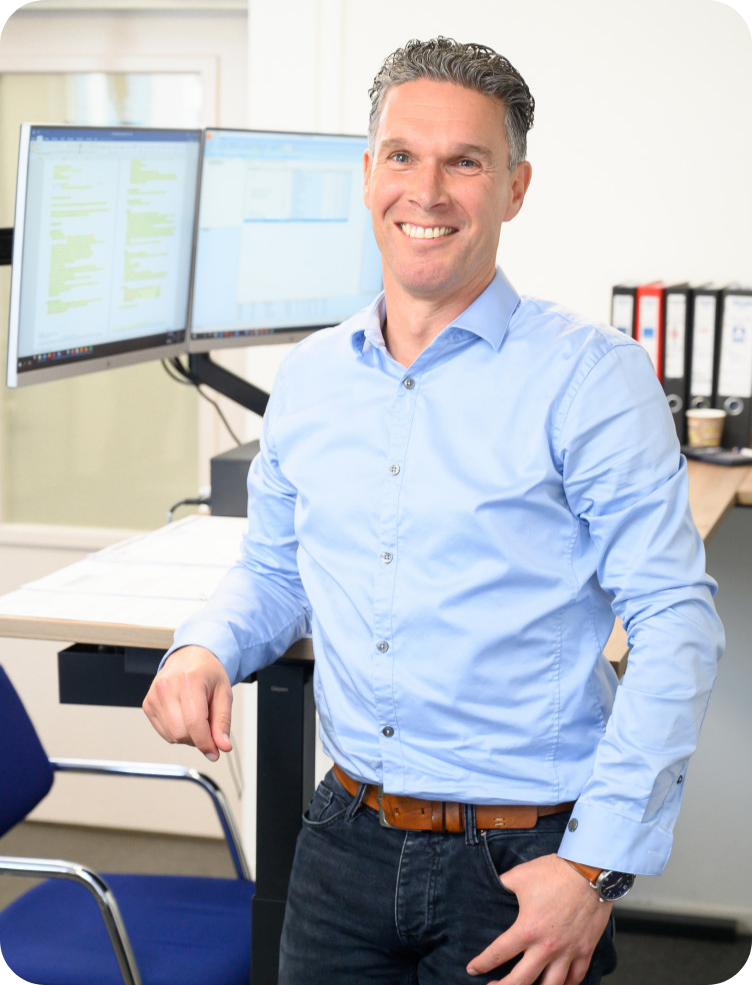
400 425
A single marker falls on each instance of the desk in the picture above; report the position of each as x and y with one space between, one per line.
114 661
744 489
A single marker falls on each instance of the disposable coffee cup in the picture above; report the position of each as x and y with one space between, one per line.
705 427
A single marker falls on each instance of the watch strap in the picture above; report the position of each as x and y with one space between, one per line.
591 872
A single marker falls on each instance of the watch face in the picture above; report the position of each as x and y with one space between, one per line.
613 885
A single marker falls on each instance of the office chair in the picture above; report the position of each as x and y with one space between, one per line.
81 928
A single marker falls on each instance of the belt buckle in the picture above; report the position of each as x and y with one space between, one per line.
382 817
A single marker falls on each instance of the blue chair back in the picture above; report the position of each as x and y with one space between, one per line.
25 771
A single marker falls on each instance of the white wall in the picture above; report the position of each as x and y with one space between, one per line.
641 144
642 137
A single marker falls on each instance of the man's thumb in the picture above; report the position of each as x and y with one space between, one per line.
220 716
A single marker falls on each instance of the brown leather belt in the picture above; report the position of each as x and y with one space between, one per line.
413 814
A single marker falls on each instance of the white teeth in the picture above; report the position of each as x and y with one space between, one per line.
422 232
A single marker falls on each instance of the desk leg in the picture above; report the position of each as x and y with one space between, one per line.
285 768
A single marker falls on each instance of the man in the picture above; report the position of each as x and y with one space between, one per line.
454 488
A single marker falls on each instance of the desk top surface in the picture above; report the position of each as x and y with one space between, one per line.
134 593
137 592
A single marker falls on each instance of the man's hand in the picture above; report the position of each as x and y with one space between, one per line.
559 924
190 701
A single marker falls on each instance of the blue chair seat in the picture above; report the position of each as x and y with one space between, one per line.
174 924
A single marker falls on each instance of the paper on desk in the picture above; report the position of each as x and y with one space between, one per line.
205 540
148 613
156 579
102 576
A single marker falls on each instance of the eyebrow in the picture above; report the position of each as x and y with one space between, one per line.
462 150
474 150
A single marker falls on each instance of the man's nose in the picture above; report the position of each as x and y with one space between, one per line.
428 186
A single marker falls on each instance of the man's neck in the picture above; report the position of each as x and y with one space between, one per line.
413 322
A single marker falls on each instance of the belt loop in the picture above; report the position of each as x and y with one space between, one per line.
354 807
471 833
437 816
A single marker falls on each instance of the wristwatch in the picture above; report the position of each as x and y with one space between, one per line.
609 884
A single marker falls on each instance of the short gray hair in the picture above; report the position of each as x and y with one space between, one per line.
473 66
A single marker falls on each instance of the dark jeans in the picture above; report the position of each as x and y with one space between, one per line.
375 904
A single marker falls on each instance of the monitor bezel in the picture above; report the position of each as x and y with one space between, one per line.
130 356
290 334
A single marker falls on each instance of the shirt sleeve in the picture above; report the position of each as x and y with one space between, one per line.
626 480
260 608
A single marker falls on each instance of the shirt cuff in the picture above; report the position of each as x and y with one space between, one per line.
595 836
218 639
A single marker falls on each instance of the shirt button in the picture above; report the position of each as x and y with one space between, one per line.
394 469
386 557
388 731
408 383
382 646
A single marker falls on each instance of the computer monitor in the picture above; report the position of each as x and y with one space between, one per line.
284 243
102 248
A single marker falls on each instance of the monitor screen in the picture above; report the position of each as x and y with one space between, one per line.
102 248
284 243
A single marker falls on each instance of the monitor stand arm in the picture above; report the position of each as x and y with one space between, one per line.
228 384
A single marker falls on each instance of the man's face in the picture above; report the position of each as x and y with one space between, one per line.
439 187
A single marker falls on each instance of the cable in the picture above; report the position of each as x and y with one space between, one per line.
175 370
178 372
197 501
234 761
188 379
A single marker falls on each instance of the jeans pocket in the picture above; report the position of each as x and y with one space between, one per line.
328 805
494 866
503 850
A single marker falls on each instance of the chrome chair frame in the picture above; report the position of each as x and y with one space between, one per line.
60 869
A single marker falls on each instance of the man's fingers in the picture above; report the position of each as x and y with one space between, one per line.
533 967
220 716
498 952
194 704
163 709
155 721
190 701
528 970
556 930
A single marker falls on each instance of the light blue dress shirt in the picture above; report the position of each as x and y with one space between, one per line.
455 536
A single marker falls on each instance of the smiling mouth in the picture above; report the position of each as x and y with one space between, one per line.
426 232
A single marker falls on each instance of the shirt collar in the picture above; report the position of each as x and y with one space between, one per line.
487 317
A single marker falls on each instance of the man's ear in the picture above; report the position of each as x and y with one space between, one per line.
521 177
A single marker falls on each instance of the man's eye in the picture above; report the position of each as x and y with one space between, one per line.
465 162
400 158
